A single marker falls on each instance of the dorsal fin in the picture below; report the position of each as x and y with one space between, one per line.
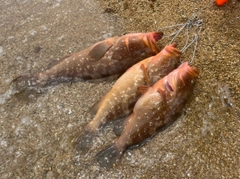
143 88
99 50
94 109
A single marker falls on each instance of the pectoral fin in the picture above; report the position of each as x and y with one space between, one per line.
99 50
146 76
160 91
143 89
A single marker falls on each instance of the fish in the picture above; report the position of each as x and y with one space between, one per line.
105 58
157 108
120 100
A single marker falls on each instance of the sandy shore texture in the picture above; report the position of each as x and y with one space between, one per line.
35 136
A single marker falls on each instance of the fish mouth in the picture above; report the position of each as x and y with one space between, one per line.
186 70
180 77
192 71
157 36
150 40
172 54
172 49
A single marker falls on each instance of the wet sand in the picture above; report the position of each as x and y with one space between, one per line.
35 136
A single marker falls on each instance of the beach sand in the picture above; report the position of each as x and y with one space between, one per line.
35 136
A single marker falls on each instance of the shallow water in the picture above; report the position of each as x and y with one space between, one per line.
35 136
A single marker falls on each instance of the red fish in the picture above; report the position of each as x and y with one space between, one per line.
108 57
119 101
157 108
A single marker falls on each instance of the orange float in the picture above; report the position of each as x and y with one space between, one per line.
221 2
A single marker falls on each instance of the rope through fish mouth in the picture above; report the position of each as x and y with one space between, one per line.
194 23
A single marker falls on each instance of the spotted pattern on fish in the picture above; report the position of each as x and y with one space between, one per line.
105 58
119 101
157 108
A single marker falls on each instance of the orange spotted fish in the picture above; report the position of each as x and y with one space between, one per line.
160 106
105 58
119 101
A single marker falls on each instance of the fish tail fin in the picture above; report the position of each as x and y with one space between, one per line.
84 141
28 86
25 82
109 156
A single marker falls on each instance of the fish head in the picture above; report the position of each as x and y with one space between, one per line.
167 60
172 55
150 39
182 79
143 44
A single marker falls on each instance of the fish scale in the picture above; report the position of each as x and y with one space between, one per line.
119 101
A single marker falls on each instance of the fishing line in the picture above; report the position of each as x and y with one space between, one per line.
195 23
192 26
